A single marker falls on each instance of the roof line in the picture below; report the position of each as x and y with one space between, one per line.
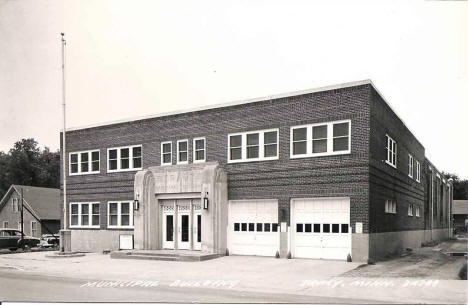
31 210
228 104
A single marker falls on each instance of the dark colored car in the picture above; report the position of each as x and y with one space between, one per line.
12 239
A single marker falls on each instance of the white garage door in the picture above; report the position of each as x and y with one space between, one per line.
320 228
253 227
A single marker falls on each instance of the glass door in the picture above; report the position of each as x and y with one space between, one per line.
184 230
197 230
168 230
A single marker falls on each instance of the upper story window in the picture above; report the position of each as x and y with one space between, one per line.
15 205
199 150
128 158
120 214
321 139
166 153
84 162
390 206
410 209
418 211
391 152
182 152
84 215
410 166
253 146
418 171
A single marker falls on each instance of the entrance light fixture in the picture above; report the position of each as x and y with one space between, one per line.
205 201
136 203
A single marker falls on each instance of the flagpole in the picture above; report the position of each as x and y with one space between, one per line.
64 169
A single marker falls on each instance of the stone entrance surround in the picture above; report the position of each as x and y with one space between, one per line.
178 182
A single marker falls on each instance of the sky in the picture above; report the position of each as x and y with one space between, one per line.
136 58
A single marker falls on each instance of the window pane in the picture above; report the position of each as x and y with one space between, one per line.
236 226
340 144
236 153
299 227
235 141
182 146
299 148
300 134
326 228
183 156
113 220
125 220
95 220
166 147
74 158
269 137
252 139
335 228
113 164
113 208
199 144
95 156
274 227
124 153
84 167
244 227
74 220
316 228
341 129
84 157
113 154
74 209
344 228
252 152
266 227
200 155
137 162
167 158
124 163
125 207
259 227
136 152
95 208
251 227
74 168
319 146
84 220
84 209
308 227
319 132
270 150
95 166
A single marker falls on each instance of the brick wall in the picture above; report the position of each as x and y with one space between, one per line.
344 175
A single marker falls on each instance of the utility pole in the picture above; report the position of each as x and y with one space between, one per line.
63 239
22 223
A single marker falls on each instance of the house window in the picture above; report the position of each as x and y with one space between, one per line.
418 171
121 159
253 146
120 214
33 228
390 206
15 205
84 162
410 166
391 152
321 139
199 150
182 152
418 211
410 209
84 215
5 224
166 153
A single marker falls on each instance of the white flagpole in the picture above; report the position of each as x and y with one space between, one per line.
64 172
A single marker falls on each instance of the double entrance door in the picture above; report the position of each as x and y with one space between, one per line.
181 224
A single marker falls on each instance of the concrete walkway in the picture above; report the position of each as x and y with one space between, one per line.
299 277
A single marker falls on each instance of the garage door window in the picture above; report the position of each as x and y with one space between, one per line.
244 227
299 227
259 227
335 228
274 227
344 228
251 227
326 228
237 227
308 227
316 228
266 227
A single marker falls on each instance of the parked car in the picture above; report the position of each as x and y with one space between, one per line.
49 240
12 239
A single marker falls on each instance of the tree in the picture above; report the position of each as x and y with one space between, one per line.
460 187
26 164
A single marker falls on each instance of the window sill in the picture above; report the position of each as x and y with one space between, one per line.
392 165
119 228
84 227
109 171
83 174
252 160
347 152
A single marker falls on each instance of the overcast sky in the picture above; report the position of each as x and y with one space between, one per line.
135 58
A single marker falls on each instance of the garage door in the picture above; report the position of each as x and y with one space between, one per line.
253 227
320 228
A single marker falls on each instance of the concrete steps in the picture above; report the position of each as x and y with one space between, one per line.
196 256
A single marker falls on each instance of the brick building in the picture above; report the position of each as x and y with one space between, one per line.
320 173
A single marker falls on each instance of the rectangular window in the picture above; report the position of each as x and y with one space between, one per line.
391 152
259 227
84 215
266 227
390 206
166 153
244 227
308 228
418 211
326 228
33 228
236 226
418 171
182 152
120 214
344 228
5 224
20 227
335 228
321 139
253 146
199 150
274 227
410 166
122 159
316 228
15 205
299 227
84 162
251 227
410 210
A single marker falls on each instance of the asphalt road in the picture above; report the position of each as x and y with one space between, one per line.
18 286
